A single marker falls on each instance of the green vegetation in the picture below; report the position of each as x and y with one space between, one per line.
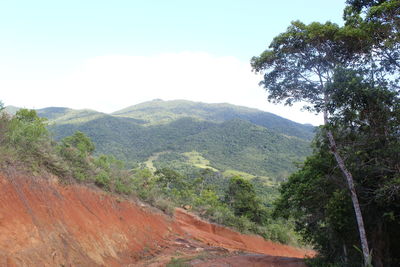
224 136
25 142
344 197
203 256
231 145
65 115
163 112
25 137
167 188
197 160
179 262
242 199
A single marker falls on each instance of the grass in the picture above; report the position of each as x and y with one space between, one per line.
77 117
203 256
230 173
197 160
179 262
149 162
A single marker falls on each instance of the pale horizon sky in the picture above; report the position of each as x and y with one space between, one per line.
107 55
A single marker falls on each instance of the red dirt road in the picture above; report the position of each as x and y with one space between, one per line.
43 223
250 260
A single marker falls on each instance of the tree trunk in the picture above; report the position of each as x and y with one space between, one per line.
353 193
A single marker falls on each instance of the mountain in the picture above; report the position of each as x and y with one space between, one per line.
227 137
60 115
11 109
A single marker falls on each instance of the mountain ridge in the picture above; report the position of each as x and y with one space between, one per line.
218 112
230 137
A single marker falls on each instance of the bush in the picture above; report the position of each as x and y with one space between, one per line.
276 232
122 188
221 214
164 204
242 198
103 180
25 140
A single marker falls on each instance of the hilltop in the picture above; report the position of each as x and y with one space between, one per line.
159 111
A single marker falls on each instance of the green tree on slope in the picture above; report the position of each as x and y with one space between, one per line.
242 198
77 149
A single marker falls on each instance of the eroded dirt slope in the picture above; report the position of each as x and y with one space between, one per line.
43 223
218 236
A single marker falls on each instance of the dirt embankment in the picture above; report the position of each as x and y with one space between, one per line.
43 223
218 236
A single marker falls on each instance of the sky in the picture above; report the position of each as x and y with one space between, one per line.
107 55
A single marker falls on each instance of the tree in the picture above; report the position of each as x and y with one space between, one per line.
174 185
381 21
79 141
300 67
320 207
366 126
3 123
28 131
242 198
77 149
170 179
26 139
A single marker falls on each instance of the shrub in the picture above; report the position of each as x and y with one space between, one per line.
103 180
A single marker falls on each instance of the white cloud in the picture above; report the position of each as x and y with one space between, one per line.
112 82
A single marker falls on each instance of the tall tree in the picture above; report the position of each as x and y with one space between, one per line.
380 21
242 198
299 66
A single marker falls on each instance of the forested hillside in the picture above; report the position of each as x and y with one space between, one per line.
229 137
158 111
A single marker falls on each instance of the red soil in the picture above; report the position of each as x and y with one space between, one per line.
43 223
219 236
